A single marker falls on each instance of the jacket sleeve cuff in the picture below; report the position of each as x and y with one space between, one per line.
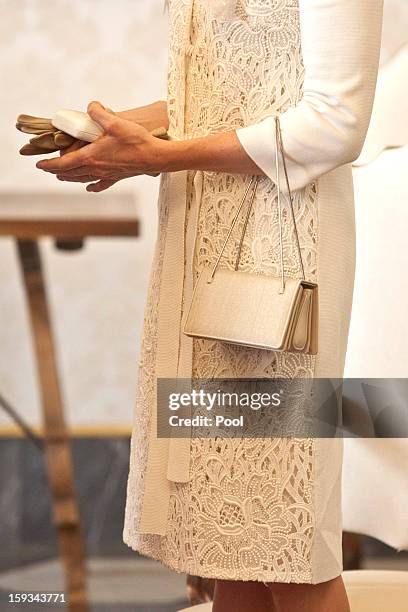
258 140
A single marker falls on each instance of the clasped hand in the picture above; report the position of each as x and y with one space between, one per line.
126 149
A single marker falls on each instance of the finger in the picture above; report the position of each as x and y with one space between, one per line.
160 132
58 165
86 178
79 173
63 140
94 102
44 141
109 110
78 144
106 119
100 186
29 149
34 125
33 129
31 119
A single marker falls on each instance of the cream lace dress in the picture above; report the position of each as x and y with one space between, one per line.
253 509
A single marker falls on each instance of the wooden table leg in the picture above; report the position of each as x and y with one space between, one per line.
57 443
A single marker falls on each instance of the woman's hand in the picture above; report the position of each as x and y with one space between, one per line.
125 150
128 149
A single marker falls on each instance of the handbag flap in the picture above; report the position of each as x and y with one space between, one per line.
236 306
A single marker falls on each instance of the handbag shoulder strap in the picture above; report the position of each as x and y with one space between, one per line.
254 183
279 144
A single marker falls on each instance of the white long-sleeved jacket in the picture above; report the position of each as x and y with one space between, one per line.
340 45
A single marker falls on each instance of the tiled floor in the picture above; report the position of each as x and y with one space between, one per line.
115 585
123 585
106 608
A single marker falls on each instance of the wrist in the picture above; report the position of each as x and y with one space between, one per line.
175 155
209 153
221 152
150 117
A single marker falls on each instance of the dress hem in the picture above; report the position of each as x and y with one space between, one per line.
220 576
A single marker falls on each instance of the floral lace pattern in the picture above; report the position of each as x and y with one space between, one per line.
248 511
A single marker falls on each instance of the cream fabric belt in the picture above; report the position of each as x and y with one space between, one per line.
169 459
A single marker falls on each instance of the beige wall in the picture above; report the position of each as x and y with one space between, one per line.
378 336
64 53
395 30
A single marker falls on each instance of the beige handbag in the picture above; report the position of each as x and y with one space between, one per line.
256 310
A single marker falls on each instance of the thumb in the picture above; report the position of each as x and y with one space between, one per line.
103 117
